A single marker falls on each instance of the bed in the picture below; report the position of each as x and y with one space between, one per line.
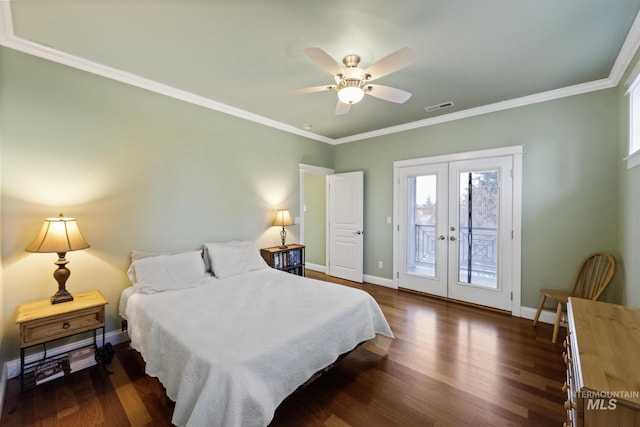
230 347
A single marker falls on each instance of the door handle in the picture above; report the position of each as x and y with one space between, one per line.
359 232
442 237
452 238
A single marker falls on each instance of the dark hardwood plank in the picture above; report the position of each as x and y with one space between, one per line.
449 365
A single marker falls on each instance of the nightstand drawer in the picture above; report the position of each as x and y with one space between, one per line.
63 325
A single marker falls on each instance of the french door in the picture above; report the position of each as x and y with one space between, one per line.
455 230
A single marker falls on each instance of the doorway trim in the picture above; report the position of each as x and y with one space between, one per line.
516 152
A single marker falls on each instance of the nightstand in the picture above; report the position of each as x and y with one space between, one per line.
41 322
289 259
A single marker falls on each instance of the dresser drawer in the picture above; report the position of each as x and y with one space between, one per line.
569 387
63 325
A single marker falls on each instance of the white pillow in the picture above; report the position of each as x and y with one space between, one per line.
231 258
207 258
205 250
167 272
136 255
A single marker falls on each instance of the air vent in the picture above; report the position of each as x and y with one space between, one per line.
437 107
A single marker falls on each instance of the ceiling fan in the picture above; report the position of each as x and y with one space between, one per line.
352 82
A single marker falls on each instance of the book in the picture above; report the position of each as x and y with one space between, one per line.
51 369
81 358
277 262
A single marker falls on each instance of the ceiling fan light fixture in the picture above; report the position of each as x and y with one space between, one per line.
352 82
351 94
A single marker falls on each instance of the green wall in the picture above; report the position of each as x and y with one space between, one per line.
143 171
630 234
137 169
569 181
315 218
629 203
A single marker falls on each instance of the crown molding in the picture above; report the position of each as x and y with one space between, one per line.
10 40
627 52
76 62
6 23
485 109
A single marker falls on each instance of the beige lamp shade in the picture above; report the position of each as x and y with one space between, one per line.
58 235
283 218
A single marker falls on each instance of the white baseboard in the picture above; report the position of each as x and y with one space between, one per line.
380 281
547 316
12 367
316 267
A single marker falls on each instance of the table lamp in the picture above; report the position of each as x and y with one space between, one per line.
283 218
59 235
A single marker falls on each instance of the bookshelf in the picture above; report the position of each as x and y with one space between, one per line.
289 259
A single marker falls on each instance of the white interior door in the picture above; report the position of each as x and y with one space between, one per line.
345 207
455 227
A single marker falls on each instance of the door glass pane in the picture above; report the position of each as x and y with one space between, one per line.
421 225
478 213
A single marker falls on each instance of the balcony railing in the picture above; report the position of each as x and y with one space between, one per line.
483 251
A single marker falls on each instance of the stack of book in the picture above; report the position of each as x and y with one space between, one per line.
51 369
294 257
81 358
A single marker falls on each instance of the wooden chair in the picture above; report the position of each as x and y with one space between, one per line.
592 279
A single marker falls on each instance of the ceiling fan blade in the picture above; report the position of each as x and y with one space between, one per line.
392 63
323 59
312 89
387 93
342 108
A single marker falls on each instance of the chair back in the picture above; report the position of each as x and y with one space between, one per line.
594 275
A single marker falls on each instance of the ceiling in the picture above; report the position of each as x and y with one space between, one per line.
242 57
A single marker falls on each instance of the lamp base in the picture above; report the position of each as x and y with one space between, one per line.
61 296
61 275
283 237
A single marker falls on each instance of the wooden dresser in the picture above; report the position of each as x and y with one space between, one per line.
603 364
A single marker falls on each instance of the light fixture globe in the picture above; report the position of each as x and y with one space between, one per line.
350 94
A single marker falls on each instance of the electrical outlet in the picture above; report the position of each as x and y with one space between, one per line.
379 264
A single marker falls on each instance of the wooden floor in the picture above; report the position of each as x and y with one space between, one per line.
450 365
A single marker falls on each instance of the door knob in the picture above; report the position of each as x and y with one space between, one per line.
442 237
452 238
359 232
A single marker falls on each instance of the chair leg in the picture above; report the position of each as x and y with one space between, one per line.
543 297
557 324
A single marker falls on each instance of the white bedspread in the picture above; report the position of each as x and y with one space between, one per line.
229 352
